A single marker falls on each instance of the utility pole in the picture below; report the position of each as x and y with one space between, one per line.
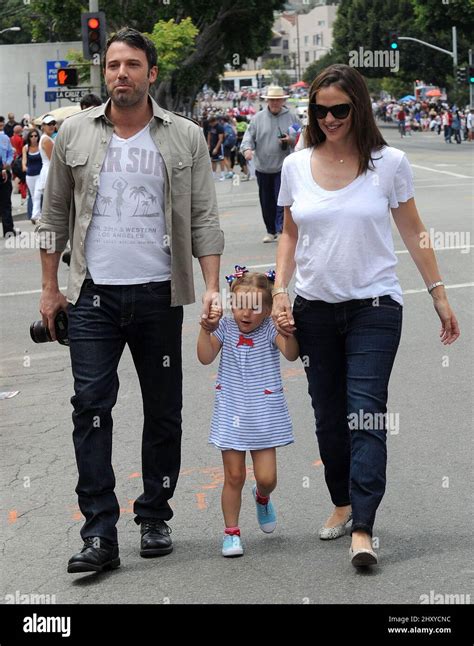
95 68
453 53
471 85
298 46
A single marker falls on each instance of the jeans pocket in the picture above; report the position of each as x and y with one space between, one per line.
159 291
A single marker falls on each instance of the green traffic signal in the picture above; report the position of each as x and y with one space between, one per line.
393 40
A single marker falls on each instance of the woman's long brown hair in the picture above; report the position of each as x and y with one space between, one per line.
367 136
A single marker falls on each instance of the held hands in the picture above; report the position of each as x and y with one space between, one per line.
449 324
211 311
282 315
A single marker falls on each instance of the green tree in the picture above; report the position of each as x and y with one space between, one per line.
173 42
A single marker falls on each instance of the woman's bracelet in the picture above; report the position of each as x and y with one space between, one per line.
433 285
279 290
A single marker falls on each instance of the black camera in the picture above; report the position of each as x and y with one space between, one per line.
283 144
40 333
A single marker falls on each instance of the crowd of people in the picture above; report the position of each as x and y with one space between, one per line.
25 155
422 116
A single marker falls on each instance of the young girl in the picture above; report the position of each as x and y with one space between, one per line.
250 412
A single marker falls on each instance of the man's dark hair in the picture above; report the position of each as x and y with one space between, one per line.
89 100
134 38
2 119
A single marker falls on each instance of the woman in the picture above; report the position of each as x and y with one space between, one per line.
31 163
337 194
46 144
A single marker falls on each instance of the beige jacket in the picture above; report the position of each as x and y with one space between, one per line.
192 222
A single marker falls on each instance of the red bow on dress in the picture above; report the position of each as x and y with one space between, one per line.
244 341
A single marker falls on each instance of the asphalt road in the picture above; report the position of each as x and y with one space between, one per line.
424 526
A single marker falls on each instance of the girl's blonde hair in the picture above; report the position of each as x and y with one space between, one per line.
258 281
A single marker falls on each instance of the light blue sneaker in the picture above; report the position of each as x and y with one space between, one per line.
232 545
266 514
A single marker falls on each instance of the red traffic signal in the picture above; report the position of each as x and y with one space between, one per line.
67 77
93 34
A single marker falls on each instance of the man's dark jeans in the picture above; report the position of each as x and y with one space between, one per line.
348 350
268 189
6 204
104 319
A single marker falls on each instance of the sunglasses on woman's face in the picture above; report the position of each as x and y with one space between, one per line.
340 111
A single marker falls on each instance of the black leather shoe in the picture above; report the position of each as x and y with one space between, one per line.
155 539
97 555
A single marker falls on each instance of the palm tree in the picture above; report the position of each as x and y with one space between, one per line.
107 200
137 192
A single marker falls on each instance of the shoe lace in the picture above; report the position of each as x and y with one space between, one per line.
158 526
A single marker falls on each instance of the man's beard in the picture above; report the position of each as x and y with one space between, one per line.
128 98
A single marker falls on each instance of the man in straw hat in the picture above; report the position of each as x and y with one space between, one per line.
267 142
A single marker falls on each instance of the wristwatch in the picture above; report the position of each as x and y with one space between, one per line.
279 290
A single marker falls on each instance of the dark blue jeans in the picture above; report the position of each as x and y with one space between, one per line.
268 189
103 320
348 350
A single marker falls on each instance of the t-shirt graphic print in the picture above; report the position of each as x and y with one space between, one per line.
126 242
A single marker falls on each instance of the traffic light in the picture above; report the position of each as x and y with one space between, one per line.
461 75
93 34
67 77
393 40
471 75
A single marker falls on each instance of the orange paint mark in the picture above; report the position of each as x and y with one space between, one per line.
317 463
77 515
209 486
134 475
201 500
12 516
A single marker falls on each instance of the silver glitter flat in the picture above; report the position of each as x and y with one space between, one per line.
362 557
329 533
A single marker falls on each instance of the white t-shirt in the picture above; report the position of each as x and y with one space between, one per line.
345 246
126 242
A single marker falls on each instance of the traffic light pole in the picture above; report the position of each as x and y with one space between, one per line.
471 85
95 69
453 53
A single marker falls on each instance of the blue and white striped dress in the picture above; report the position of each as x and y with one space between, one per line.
250 411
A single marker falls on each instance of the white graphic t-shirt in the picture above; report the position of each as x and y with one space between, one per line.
126 242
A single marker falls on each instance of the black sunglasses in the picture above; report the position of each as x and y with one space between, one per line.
340 111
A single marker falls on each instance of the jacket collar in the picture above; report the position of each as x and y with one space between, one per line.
158 112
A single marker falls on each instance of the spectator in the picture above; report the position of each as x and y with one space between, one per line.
6 159
46 144
31 160
10 125
89 101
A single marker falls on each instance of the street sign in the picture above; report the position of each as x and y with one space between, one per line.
72 95
50 97
52 72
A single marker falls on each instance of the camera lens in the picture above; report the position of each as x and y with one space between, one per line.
39 333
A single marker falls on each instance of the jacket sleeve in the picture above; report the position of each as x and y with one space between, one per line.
249 138
207 237
53 229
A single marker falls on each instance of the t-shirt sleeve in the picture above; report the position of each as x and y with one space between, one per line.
271 333
284 197
221 330
402 187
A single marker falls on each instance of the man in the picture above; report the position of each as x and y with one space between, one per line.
89 101
215 143
268 140
129 278
6 158
10 124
